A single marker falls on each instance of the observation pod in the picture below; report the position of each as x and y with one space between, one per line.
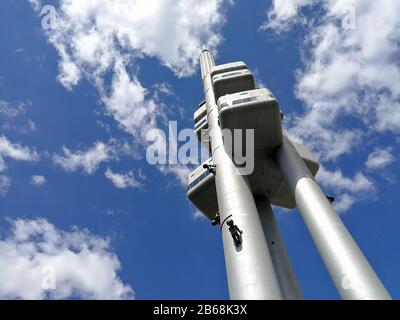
231 78
232 82
227 67
255 109
202 192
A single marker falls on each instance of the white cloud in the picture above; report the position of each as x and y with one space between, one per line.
15 152
35 253
164 88
344 202
123 181
349 80
128 105
38 180
380 158
28 127
13 110
103 41
181 172
69 72
98 38
284 13
13 117
36 4
337 181
5 183
88 160
348 74
197 215
346 191
98 33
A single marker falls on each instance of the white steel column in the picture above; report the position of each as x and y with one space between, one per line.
350 271
283 267
250 271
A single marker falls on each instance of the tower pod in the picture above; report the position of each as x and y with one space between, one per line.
227 67
202 192
268 182
255 109
232 82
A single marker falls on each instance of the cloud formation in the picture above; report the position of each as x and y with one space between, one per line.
123 181
103 41
38 180
349 82
346 190
12 110
348 73
380 158
5 183
16 152
98 38
285 13
88 160
39 261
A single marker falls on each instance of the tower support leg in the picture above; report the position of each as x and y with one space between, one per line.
250 270
283 267
350 271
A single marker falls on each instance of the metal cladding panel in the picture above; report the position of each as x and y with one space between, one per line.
233 82
202 124
255 109
228 67
198 172
201 130
307 156
200 112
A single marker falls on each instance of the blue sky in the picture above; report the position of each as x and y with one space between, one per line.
69 112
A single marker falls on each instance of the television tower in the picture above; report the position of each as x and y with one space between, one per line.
257 263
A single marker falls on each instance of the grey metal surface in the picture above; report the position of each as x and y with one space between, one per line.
253 109
250 271
266 181
201 191
200 112
350 271
202 124
281 196
206 62
232 82
227 67
283 267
